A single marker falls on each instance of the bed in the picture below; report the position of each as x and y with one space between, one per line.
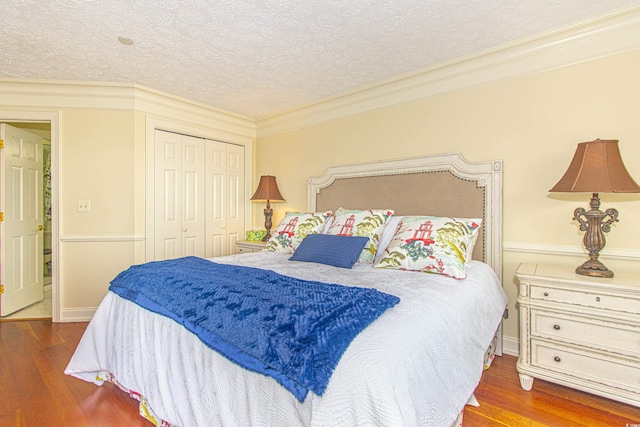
416 364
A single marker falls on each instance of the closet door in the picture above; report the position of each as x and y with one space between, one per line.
224 197
179 196
235 191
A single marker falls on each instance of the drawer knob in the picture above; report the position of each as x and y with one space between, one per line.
546 294
557 359
598 299
556 327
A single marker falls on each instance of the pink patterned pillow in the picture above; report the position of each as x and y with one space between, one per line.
293 228
431 244
368 223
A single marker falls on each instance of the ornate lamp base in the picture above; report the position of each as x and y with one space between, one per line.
268 213
594 268
593 223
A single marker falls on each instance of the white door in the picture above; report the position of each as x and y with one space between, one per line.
216 199
178 195
236 196
192 196
224 197
21 236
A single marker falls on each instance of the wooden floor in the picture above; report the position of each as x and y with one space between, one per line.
504 403
34 392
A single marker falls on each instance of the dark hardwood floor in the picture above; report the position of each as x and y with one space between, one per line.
34 392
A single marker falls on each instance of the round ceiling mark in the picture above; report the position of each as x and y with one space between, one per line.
125 41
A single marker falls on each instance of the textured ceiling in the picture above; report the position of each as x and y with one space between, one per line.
258 58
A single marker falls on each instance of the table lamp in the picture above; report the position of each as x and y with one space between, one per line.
596 168
268 190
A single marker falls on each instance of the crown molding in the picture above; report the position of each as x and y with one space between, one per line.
54 94
607 35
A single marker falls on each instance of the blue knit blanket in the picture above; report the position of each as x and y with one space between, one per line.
290 329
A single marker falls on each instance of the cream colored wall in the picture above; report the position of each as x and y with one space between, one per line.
532 123
97 159
98 163
100 134
139 184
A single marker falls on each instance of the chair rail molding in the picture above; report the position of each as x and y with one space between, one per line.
125 237
569 250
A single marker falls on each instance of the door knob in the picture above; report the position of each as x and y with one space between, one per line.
40 227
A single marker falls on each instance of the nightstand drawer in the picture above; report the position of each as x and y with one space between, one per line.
608 336
588 299
593 367
245 246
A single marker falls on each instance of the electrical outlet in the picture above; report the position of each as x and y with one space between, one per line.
84 205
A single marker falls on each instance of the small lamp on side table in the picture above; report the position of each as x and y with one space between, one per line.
596 167
268 190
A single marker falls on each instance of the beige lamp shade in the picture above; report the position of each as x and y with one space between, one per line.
597 168
268 190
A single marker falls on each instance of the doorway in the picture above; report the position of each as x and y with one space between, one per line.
26 188
45 126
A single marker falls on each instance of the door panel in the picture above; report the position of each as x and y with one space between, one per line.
171 200
171 248
168 226
236 196
216 199
179 196
199 189
21 232
193 196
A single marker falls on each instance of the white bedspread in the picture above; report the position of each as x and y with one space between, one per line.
417 365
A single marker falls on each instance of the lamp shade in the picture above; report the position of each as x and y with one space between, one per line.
597 168
268 190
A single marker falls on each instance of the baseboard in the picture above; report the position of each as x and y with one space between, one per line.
83 314
510 346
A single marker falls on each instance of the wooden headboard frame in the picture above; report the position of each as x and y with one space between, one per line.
439 185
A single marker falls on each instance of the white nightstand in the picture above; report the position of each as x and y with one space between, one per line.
581 332
245 246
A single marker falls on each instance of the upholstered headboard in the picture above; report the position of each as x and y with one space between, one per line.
438 185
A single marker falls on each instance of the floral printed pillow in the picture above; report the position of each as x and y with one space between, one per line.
367 223
431 244
293 228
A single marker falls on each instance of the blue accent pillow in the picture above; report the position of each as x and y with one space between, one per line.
338 251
